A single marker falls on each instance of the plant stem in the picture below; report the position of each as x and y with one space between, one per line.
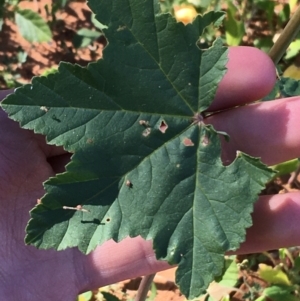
144 287
289 33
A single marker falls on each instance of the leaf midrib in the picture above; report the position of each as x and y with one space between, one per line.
158 51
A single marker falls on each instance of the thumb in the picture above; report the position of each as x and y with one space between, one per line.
251 75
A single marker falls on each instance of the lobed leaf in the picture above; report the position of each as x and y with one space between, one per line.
144 162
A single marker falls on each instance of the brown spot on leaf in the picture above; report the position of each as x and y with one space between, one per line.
39 201
129 184
163 126
188 142
108 220
120 28
144 123
45 109
205 141
90 141
146 132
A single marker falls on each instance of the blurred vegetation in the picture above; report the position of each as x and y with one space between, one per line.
250 23
31 29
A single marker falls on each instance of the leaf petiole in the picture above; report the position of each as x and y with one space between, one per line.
287 36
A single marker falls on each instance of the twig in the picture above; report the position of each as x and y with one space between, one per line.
144 287
287 36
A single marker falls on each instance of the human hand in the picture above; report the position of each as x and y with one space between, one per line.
267 130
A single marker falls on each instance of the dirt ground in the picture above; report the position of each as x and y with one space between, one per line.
42 57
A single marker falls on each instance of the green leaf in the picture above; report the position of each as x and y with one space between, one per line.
293 49
96 23
2 13
109 297
234 29
231 273
286 167
268 7
87 296
32 26
274 94
85 37
229 277
289 87
273 275
144 163
279 293
264 43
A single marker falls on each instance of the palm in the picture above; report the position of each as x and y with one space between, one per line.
23 169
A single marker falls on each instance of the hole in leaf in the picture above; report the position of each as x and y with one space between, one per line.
205 141
163 126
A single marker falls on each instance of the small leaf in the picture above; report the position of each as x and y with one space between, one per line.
279 293
286 167
32 26
234 29
109 297
289 87
264 43
230 275
87 296
273 275
293 49
85 37
96 23
224 284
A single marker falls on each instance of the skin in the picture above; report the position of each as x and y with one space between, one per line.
268 130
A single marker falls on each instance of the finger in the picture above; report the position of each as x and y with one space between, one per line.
251 75
4 93
16 134
249 69
275 224
269 130
49 150
59 162
113 262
